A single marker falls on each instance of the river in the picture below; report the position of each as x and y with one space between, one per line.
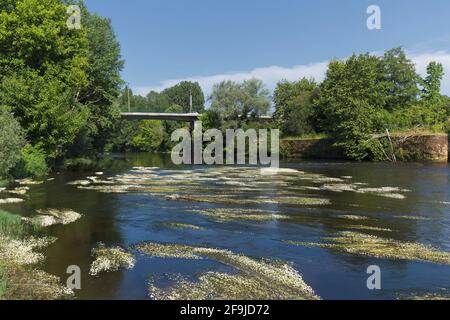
180 208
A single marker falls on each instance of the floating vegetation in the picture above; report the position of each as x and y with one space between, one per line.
256 279
29 182
227 199
19 277
19 190
339 187
275 171
429 297
228 214
11 201
368 228
178 251
80 183
26 283
303 201
412 218
178 225
110 259
51 217
372 246
22 252
352 217
387 192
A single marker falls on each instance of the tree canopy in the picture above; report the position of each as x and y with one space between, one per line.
235 100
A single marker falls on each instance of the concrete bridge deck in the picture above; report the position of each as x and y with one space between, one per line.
186 117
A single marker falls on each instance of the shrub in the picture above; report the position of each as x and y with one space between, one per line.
150 136
32 163
11 141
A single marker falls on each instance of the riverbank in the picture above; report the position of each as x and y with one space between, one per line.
408 147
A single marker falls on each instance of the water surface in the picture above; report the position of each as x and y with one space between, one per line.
125 219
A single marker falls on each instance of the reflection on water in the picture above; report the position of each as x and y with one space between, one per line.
259 214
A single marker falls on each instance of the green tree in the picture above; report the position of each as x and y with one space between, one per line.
294 108
104 80
240 100
352 99
150 136
11 141
46 109
180 95
157 102
432 99
401 79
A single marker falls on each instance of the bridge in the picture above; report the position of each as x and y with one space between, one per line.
184 117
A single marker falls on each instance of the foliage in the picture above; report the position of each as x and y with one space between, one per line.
11 141
240 100
180 95
352 99
150 136
104 80
31 164
401 79
294 106
366 94
211 120
60 83
46 109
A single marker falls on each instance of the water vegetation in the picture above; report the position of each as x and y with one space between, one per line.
232 214
377 247
50 217
255 279
110 259
11 200
20 258
181 226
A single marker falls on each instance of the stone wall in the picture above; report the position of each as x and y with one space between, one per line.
432 147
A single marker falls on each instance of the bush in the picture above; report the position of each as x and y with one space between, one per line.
11 141
150 136
32 164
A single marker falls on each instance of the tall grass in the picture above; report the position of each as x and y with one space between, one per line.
11 225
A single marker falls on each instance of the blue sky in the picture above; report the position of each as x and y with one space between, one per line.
164 41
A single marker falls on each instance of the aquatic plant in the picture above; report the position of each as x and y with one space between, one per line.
29 182
22 252
429 297
178 251
352 217
11 201
368 228
230 214
179 225
372 246
110 259
257 279
50 217
19 276
25 283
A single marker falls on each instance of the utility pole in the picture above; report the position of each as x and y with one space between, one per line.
128 93
190 101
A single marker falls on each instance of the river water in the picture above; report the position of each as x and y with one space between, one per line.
416 209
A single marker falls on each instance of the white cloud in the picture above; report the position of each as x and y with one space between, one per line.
271 75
